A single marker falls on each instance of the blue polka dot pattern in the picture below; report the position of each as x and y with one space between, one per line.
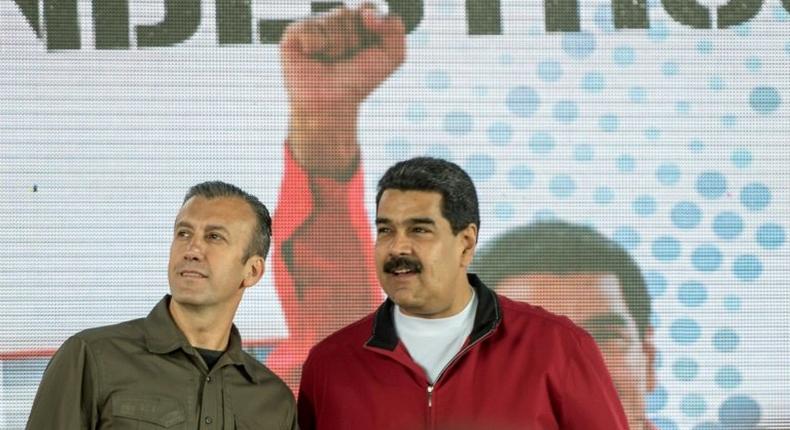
765 100
541 142
480 167
624 56
732 303
747 268
685 331
626 163
706 258
656 284
692 294
637 94
608 123
693 405
562 186
685 369
583 153
578 45
499 133
603 195
627 237
666 248
458 123
741 158
725 340
549 71
668 174
739 412
593 82
644 205
711 185
520 177
566 111
770 236
656 400
755 197
686 215
728 377
727 225
662 423
522 101
437 80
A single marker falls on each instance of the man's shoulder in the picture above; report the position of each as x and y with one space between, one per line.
352 336
264 376
131 330
537 319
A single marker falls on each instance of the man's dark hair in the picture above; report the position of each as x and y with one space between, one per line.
261 235
563 248
459 197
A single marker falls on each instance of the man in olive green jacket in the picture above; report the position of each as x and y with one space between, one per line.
182 367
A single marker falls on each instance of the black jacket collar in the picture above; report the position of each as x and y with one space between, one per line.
487 318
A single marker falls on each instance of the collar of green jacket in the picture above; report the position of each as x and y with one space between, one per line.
162 336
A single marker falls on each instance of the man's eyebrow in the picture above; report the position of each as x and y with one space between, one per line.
600 321
425 220
212 227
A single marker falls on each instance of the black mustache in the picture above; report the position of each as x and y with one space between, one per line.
400 263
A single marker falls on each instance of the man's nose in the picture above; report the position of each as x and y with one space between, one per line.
195 249
401 245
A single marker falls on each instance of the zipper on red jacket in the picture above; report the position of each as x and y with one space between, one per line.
430 396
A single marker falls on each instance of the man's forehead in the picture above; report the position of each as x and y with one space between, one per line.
216 211
572 294
409 202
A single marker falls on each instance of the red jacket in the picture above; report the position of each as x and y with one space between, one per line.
521 368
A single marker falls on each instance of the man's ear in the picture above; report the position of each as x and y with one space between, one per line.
649 349
468 238
254 267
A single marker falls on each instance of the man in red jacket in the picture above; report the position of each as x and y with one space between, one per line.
575 271
443 351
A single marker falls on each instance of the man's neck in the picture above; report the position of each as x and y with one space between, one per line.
203 328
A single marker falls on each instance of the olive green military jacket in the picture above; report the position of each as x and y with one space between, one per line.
144 374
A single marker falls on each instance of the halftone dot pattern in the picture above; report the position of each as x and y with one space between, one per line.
668 174
739 412
458 123
706 258
727 225
656 400
593 82
644 205
747 268
541 142
685 369
685 331
725 340
666 249
728 377
711 185
500 133
692 294
755 197
523 101
656 283
686 215
626 163
627 237
549 71
693 405
770 236
603 195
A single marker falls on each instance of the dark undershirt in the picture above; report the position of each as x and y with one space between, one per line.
210 356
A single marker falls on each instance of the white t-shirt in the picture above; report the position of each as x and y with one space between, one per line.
432 343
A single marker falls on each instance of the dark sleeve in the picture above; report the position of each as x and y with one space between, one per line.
67 395
589 399
306 399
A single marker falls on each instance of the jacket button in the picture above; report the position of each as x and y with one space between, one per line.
208 379
209 420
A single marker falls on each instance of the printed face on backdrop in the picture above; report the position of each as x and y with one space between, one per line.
210 239
420 263
595 302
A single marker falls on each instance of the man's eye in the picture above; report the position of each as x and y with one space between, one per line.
182 233
383 230
214 236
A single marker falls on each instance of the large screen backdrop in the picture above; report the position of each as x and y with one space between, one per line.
663 125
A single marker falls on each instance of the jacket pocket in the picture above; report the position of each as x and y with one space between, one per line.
141 412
